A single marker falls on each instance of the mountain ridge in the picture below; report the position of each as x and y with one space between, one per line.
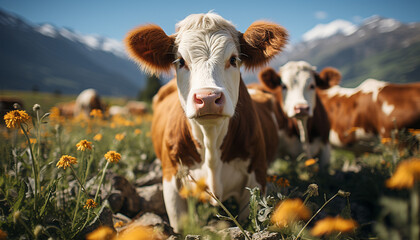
52 59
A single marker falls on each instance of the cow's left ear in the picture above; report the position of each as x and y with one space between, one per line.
269 78
261 42
327 78
151 48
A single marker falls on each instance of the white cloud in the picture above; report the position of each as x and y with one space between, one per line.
321 15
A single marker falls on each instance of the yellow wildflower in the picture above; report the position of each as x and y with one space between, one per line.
414 131
137 131
66 161
406 174
90 203
96 113
119 136
101 233
283 182
15 118
310 162
198 191
97 137
32 140
83 145
3 235
330 225
289 211
139 233
119 224
113 156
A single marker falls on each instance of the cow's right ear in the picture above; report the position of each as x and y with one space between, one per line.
149 46
269 78
327 78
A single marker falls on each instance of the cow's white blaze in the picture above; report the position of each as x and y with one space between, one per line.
298 87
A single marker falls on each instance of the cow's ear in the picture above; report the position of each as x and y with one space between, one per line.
327 78
149 46
261 42
269 78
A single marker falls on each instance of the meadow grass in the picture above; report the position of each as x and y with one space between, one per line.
45 194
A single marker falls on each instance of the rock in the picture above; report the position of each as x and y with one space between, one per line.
104 218
131 202
152 199
193 237
149 179
266 235
233 233
152 220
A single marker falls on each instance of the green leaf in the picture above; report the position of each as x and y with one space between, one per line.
20 197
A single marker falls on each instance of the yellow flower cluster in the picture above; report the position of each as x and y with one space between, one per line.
98 137
83 145
119 136
331 225
310 162
198 191
406 174
96 113
66 161
130 233
112 156
90 203
290 211
15 118
280 181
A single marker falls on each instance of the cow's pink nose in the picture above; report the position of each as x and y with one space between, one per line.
209 102
302 109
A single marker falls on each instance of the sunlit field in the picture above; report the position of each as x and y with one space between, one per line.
54 184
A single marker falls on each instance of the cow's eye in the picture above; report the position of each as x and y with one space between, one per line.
181 63
312 86
233 61
283 87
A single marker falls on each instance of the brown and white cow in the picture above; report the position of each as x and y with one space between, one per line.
301 120
207 122
86 101
359 116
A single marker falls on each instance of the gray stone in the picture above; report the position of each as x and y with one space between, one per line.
234 233
152 199
266 235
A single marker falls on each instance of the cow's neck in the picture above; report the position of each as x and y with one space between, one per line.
302 124
211 138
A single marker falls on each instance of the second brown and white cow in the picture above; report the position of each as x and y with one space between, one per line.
359 116
207 122
301 120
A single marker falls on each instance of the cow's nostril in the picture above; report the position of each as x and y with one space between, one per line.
220 100
198 100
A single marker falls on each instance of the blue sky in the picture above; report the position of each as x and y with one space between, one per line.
114 18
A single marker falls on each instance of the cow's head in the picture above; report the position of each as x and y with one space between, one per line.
295 86
207 53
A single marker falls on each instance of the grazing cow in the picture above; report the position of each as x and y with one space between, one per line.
359 116
301 120
206 120
87 101
66 108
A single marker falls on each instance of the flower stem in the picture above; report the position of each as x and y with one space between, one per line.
414 200
78 180
34 170
319 210
226 210
100 182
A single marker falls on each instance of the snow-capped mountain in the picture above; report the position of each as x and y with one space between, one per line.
93 41
48 58
338 26
381 48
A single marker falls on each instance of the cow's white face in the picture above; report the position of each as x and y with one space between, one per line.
208 74
298 89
